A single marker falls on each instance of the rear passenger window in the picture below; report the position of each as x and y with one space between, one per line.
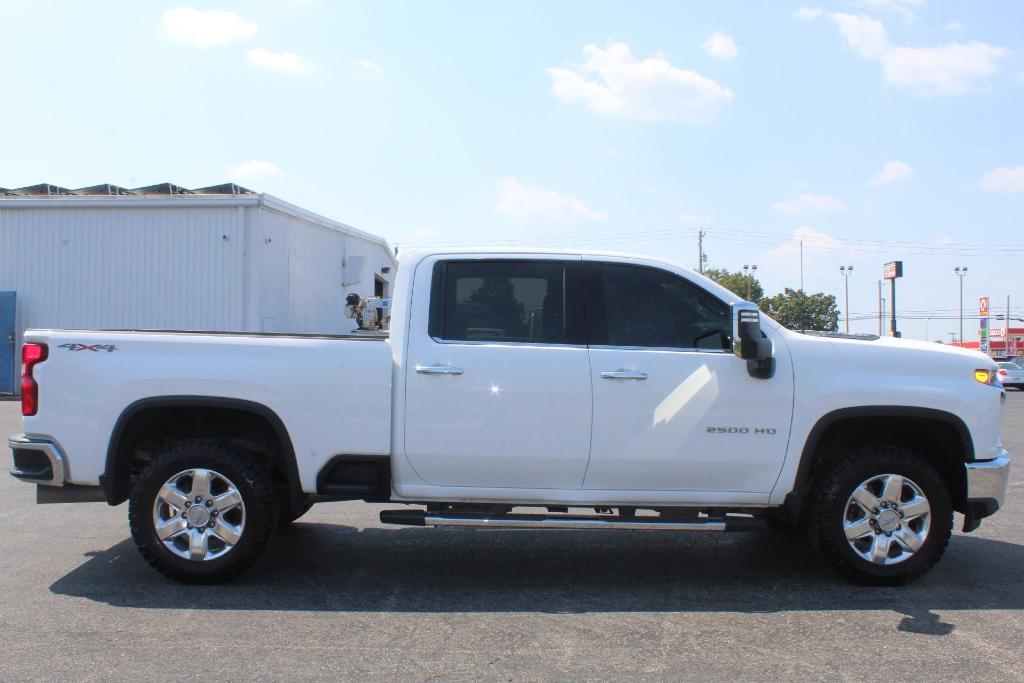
505 301
647 307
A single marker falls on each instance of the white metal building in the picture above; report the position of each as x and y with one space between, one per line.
166 257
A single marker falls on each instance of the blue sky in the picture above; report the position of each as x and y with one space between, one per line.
872 130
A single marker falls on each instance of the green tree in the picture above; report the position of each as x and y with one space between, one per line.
737 283
796 310
499 295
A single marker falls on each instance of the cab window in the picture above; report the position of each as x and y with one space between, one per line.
506 301
641 306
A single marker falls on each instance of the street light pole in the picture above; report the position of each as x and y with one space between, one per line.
846 272
961 272
749 271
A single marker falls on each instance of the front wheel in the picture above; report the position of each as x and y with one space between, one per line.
882 515
201 512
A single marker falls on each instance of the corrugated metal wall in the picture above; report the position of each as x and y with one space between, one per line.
188 267
124 267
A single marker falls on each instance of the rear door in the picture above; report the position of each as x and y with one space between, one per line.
498 390
7 343
674 409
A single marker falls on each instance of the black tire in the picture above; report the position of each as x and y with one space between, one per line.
252 483
286 514
827 512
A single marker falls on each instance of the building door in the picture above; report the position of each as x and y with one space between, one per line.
7 343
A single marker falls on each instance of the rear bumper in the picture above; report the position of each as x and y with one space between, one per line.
987 481
37 461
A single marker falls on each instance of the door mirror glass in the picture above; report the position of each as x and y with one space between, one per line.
749 342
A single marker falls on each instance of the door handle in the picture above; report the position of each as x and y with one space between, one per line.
623 374
438 370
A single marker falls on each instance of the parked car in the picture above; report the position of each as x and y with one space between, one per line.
558 381
1011 375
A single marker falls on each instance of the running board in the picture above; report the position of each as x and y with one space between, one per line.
523 521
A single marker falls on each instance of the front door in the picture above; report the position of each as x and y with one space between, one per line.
674 409
498 391
7 343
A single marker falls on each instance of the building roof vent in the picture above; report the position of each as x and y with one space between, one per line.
224 188
105 189
43 189
162 188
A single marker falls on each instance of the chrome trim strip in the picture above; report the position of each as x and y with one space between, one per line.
560 522
500 342
988 479
22 442
609 347
600 347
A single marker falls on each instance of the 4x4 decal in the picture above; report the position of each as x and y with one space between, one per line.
88 347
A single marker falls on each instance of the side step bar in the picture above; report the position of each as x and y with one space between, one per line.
523 521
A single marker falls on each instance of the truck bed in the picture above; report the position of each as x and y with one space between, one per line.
333 392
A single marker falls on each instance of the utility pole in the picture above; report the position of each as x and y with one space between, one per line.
961 272
700 250
846 272
803 298
881 308
1006 330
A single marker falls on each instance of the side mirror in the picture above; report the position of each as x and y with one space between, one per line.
749 342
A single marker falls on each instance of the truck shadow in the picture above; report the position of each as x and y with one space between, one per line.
323 567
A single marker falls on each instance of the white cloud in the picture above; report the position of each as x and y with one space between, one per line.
369 67
254 171
902 7
955 26
281 62
720 46
892 172
807 13
865 35
808 202
788 253
205 28
518 201
950 69
612 151
1004 179
613 82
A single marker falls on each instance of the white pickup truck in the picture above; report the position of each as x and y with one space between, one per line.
603 391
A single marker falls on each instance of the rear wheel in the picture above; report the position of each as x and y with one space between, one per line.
881 514
201 512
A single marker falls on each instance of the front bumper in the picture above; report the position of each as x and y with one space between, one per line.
987 481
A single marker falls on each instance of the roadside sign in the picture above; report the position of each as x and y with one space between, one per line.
983 305
892 270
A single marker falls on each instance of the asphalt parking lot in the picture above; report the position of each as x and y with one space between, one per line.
338 595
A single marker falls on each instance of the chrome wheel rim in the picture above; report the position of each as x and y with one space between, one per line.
199 515
887 519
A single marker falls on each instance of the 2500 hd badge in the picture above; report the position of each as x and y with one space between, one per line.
741 430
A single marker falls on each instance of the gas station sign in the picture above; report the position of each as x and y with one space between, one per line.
983 324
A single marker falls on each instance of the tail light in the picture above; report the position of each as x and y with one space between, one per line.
31 355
